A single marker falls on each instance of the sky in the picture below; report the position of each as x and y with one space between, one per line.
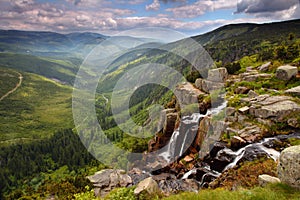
190 17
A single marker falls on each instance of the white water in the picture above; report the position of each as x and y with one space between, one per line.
272 153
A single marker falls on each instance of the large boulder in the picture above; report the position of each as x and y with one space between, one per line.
148 186
286 72
106 180
218 75
289 166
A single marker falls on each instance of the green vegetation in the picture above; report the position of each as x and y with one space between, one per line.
271 192
62 70
37 109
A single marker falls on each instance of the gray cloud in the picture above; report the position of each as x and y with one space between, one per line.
261 6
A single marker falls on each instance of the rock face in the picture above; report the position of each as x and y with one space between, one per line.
294 91
106 180
286 72
148 185
289 165
265 179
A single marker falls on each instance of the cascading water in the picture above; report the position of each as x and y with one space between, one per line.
188 124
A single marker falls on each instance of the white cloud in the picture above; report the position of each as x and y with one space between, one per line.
154 6
200 8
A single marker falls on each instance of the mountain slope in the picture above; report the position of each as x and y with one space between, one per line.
232 42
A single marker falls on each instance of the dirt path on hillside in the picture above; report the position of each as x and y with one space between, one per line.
15 88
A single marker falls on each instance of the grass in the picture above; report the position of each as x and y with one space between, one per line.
35 110
8 80
271 192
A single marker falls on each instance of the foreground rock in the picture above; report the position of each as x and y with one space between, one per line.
289 166
286 72
149 186
106 180
265 179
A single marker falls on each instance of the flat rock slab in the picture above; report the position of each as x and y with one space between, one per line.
294 91
277 109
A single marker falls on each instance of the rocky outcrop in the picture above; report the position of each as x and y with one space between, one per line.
286 72
187 94
289 165
168 119
215 80
265 179
294 91
106 180
218 75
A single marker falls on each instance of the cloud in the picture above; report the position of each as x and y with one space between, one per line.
275 9
258 6
200 8
154 6
131 2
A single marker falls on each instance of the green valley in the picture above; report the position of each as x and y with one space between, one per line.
37 108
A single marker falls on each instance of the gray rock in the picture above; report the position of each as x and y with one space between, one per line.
254 77
294 91
244 110
217 75
230 111
187 94
198 83
241 90
289 165
241 118
265 179
252 94
209 86
293 122
286 72
106 180
148 185
265 67
250 133
264 100
277 110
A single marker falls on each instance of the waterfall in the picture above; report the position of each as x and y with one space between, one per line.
171 146
190 122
